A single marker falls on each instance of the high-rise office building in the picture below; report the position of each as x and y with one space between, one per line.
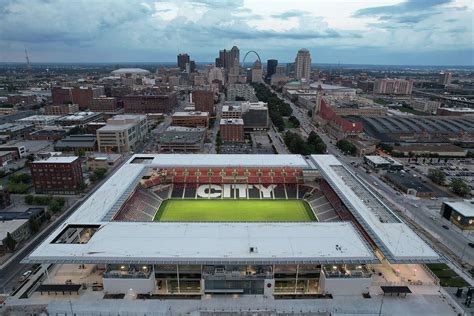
445 78
271 67
183 59
227 58
257 72
393 86
303 65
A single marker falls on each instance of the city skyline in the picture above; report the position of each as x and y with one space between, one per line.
437 32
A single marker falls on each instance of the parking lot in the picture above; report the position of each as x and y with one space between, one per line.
452 168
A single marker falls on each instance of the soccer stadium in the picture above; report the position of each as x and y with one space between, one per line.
194 225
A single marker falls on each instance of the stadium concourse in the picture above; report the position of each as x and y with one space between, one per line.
282 226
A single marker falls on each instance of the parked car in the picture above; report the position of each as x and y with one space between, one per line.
445 227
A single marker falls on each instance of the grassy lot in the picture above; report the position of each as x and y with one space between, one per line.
447 277
234 211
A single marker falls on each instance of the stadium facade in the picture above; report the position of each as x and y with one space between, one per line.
118 229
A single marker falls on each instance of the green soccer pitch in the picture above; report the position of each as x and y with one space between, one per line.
234 211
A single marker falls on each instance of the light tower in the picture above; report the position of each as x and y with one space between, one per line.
28 69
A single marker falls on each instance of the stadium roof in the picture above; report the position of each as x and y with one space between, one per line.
202 160
122 71
207 243
393 237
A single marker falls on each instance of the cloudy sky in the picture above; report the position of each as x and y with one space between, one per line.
425 32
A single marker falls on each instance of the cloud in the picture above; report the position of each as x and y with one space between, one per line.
111 30
289 14
406 7
405 19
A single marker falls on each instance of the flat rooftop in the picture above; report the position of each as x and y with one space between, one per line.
232 122
159 242
58 160
192 113
465 208
377 159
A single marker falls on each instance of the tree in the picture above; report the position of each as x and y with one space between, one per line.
437 176
100 173
81 152
294 121
294 99
34 225
93 178
347 147
18 188
10 242
20 178
55 206
29 199
385 147
318 145
459 187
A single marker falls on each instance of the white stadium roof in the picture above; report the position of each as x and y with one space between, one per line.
213 243
123 71
156 242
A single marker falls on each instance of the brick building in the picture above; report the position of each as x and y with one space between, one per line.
104 104
20 99
53 134
190 119
5 199
61 95
336 125
232 130
393 86
204 101
61 109
7 157
160 103
83 95
57 175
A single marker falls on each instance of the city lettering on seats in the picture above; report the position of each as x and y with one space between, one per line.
216 191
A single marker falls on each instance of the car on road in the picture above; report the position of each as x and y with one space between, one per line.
471 244
445 227
25 275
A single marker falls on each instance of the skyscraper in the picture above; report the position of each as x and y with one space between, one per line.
227 58
257 72
303 65
445 78
183 59
271 67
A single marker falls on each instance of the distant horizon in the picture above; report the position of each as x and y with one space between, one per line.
209 63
